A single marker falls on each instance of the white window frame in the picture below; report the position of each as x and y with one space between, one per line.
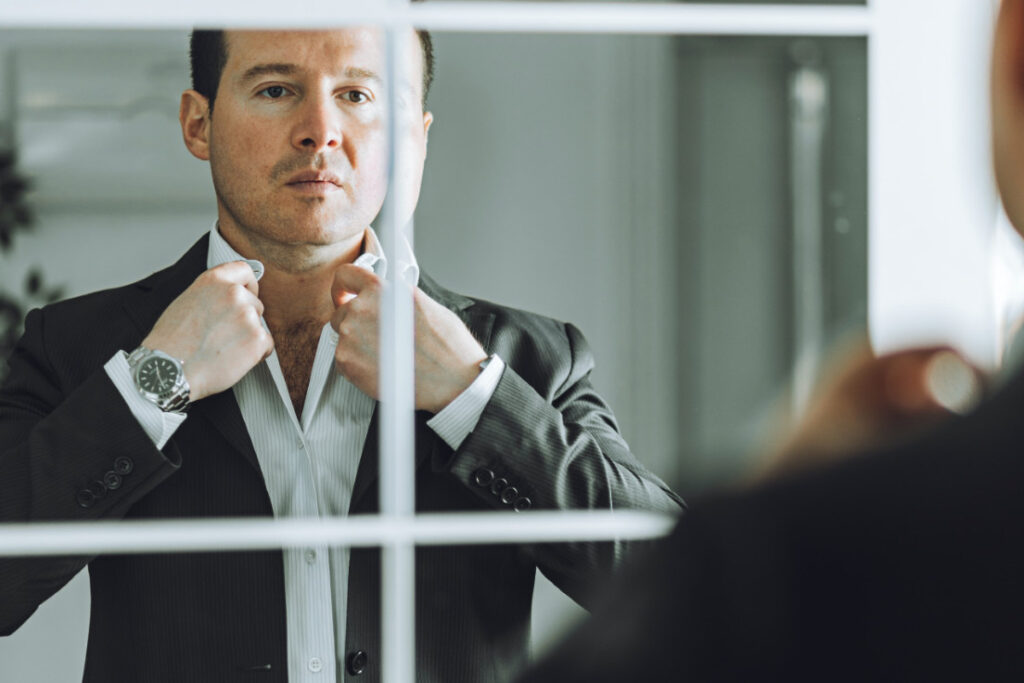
910 214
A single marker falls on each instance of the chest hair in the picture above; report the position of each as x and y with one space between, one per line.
296 350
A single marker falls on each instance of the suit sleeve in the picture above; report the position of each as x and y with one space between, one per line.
67 453
548 441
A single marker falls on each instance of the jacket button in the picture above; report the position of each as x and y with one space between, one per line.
123 465
499 485
483 477
85 498
356 662
98 488
509 494
112 480
523 503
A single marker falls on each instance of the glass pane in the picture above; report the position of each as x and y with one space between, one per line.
639 188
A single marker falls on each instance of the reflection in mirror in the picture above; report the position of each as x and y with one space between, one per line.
643 189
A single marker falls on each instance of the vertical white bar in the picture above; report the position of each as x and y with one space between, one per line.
808 94
397 426
932 201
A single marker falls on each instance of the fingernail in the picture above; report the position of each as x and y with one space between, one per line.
366 261
257 268
952 383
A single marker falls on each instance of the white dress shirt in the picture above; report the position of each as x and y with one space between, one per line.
309 464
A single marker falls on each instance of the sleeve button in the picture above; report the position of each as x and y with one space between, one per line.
509 495
85 498
123 465
499 485
98 488
483 477
523 503
112 480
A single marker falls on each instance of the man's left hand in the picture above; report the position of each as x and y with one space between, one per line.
447 355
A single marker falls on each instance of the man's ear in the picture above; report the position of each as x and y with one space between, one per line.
428 118
194 116
1012 28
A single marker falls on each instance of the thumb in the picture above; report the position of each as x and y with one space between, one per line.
349 281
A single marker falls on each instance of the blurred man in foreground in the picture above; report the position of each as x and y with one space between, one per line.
906 563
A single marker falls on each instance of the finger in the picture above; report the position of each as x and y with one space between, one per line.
243 297
339 314
953 382
238 272
350 280
935 379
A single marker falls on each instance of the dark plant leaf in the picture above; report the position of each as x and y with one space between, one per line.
34 281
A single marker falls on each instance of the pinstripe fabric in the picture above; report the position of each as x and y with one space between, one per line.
310 466
221 617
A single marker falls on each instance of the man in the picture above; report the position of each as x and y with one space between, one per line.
906 564
267 329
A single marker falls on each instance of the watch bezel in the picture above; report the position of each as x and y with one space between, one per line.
173 399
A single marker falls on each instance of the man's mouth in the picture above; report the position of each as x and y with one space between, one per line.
315 182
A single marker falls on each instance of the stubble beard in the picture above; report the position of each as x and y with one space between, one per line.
272 235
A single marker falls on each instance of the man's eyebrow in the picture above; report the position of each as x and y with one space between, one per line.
363 74
264 69
284 69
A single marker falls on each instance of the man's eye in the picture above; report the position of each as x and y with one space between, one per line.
274 91
357 96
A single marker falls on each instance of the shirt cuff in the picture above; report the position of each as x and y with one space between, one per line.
160 426
459 418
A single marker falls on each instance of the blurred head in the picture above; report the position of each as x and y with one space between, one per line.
297 141
1008 108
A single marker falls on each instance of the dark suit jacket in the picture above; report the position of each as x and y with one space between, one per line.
221 616
903 565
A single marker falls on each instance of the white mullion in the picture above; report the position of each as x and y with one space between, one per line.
533 17
360 531
397 387
931 197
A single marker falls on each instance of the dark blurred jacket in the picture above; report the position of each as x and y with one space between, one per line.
903 565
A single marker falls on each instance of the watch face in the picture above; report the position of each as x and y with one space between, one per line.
158 375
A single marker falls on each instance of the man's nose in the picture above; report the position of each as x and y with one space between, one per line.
319 127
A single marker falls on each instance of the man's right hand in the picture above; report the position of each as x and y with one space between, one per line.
214 328
866 402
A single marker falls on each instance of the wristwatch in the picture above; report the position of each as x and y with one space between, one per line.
160 379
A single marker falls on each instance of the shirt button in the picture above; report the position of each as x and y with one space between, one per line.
310 556
315 665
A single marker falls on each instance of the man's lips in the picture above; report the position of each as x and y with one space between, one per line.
316 182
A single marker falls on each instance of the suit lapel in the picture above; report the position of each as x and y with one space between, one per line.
481 325
158 291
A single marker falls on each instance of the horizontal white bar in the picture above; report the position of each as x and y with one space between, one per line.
194 535
533 17
689 19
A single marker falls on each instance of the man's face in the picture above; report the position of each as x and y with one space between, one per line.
297 141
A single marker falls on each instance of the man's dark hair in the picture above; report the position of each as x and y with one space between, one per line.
208 53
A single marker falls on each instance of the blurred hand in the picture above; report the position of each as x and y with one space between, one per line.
214 328
447 355
869 401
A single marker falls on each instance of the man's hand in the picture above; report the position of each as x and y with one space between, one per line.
214 328
867 401
447 355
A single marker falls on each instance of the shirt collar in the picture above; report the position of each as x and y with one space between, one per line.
372 257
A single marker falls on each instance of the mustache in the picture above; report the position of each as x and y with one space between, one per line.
286 168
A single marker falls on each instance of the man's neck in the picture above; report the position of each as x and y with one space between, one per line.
296 283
